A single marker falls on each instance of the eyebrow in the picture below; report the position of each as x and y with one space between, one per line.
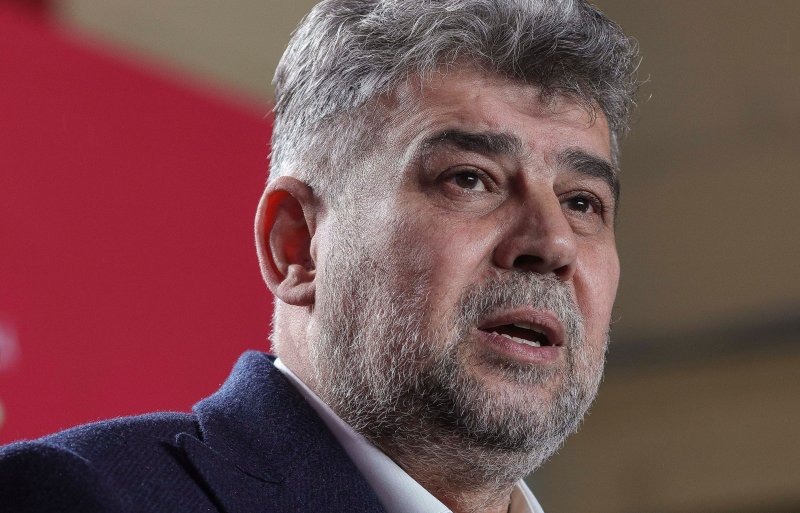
504 144
488 143
592 166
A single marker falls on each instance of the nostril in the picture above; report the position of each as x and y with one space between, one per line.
528 262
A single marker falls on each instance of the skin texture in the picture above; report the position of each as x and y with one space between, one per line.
448 214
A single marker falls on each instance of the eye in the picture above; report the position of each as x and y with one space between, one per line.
584 203
469 180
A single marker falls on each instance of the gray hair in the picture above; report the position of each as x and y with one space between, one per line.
346 54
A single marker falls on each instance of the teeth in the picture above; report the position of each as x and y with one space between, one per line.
526 326
520 340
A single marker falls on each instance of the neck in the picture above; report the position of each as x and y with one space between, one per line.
466 480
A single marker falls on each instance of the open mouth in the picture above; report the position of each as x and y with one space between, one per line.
533 328
522 333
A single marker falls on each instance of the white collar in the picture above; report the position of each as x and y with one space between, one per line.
396 490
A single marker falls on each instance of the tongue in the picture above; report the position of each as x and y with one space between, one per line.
515 331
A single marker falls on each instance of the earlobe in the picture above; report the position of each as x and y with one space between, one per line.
284 228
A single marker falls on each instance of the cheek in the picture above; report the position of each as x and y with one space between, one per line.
458 265
450 256
596 281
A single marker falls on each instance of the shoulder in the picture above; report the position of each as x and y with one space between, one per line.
36 476
104 440
105 466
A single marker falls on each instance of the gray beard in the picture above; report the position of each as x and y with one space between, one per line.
416 391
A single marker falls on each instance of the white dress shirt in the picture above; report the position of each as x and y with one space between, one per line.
397 491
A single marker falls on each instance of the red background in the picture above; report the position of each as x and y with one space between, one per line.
128 275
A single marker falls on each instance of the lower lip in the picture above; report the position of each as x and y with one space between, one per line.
520 352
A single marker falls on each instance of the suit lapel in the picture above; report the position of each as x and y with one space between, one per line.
262 448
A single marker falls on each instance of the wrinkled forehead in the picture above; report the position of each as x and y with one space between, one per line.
475 98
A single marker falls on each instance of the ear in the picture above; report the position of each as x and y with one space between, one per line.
285 224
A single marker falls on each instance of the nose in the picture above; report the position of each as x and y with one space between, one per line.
538 239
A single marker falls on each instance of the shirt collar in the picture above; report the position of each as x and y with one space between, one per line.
397 491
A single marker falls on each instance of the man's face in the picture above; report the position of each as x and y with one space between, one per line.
465 294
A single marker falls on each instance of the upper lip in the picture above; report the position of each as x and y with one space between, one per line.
541 320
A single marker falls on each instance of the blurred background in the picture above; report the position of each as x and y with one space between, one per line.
133 150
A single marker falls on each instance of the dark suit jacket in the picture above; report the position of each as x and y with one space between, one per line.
254 446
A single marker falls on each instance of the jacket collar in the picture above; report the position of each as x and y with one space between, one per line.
261 444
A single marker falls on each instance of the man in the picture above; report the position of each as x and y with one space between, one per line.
438 233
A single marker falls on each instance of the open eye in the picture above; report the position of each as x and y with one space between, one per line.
470 180
584 203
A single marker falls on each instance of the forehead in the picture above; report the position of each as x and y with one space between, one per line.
477 100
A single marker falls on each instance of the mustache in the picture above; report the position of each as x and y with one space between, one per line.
514 290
